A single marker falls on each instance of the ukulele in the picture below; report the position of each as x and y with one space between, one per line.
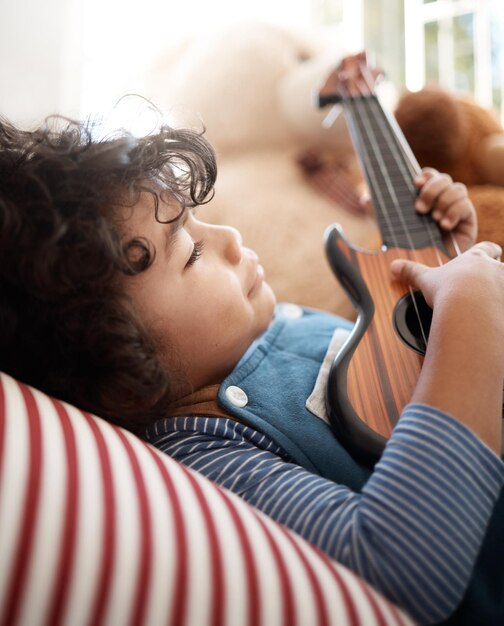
374 374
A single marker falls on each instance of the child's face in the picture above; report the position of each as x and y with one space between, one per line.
206 309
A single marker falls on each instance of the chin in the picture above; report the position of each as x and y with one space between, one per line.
270 297
268 308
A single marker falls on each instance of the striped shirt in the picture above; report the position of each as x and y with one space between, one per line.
413 533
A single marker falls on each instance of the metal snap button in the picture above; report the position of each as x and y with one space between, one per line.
291 311
236 396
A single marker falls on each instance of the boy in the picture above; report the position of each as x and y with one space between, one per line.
117 298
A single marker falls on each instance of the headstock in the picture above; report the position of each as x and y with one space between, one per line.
353 77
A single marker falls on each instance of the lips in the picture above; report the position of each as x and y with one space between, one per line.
255 275
258 280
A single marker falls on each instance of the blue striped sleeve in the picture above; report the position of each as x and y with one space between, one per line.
415 530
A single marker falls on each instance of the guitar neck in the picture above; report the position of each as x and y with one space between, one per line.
389 169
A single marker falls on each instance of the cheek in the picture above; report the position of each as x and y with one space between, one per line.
220 294
216 315
208 315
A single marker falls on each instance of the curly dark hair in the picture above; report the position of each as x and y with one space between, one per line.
65 323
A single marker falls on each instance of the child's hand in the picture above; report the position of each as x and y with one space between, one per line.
450 206
475 277
463 371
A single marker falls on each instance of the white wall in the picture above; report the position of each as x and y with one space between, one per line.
123 37
40 65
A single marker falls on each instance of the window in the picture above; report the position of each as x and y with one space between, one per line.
456 43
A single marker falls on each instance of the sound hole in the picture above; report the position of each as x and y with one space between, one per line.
407 321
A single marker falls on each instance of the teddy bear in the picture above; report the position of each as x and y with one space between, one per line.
454 134
252 87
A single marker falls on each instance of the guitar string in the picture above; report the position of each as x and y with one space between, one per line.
414 170
409 157
401 161
371 134
349 99
404 157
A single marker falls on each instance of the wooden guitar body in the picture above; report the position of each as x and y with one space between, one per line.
374 374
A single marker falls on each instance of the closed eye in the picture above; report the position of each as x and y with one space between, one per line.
196 253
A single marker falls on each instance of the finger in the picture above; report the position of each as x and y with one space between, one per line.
408 272
458 211
426 174
488 248
431 191
434 185
451 194
430 171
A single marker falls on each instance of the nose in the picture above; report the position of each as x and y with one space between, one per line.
230 241
232 244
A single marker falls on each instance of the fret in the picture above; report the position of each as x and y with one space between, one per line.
389 172
398 138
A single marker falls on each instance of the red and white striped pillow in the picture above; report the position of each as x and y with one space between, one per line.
97 527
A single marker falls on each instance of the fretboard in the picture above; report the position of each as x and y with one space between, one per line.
389 173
